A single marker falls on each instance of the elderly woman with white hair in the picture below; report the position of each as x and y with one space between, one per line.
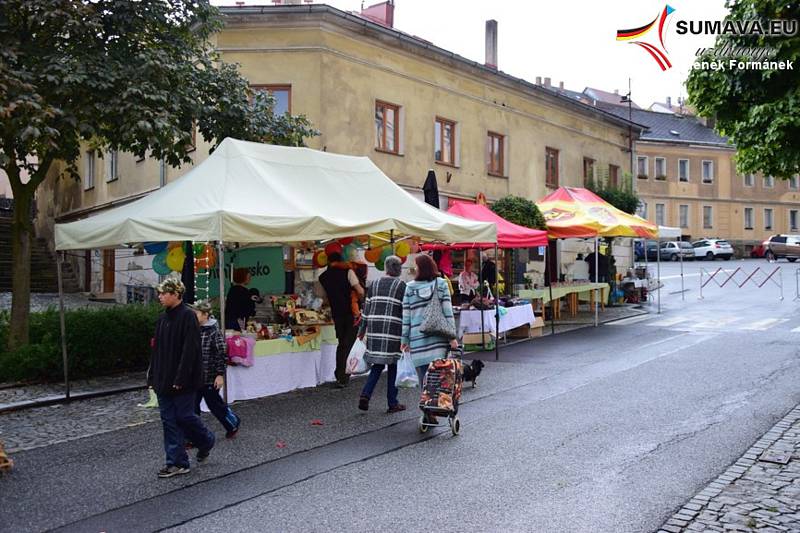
382 324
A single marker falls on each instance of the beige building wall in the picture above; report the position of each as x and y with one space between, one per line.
727 195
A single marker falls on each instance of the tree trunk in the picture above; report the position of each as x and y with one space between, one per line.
21 239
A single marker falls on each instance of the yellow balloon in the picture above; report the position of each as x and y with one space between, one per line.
402 249
175 259
376 242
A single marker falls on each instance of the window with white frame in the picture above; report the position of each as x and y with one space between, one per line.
708 171
748 218
793 181
661 168
708 217
88 175
749 180
683 169
660 218
769 182
641 166
683 212
767 218
112 165
793 219
642 209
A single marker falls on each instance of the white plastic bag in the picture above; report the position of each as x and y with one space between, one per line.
355 360
406 373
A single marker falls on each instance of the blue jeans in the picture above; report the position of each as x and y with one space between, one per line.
217 406
372 380
180 423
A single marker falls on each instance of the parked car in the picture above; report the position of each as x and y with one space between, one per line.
650 246
673 250
779 246
759 250
712 248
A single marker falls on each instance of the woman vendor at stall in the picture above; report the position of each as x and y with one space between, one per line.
467 282
239 304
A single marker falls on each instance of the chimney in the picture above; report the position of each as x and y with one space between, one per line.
547 82
491 44
382 13
538 80
561 85
669 102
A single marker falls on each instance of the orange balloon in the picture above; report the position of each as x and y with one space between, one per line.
372 255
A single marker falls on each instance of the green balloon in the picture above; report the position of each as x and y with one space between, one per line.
384 254
379 264
160 263
198 249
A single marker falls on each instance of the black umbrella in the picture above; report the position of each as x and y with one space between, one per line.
431 189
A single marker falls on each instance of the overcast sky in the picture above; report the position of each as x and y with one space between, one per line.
567 40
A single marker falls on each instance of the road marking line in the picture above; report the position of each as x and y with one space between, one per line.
717 322
630 320
669 321
796 330
761 325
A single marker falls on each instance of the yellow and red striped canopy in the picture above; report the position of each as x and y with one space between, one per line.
576 212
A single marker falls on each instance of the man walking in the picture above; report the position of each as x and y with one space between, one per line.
176 373
339 280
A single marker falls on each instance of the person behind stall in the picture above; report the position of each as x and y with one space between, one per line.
239 304
579 270
425 348
339 280
467 282
214 360
489 272
382 326
602 263
175 374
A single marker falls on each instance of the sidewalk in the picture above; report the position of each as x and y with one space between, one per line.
759 492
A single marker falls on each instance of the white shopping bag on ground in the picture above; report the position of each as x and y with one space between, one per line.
355 361
406 373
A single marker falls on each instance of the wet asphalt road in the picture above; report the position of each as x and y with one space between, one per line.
607 429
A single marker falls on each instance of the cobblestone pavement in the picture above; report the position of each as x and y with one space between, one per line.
760 492
27 429
13 395
40 301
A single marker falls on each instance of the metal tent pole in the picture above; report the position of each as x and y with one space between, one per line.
550 287
596 278
391 240
221 264
496 306
680 252
658 268
480 294
62 323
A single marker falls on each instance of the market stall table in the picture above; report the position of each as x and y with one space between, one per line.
519 315
580 291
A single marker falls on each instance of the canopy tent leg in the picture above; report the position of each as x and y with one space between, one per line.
480 295
221 262
658 268
596 279
496 308
391 240
62 322
683 292
550 287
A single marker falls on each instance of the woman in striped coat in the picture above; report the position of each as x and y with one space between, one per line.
382 324
425 348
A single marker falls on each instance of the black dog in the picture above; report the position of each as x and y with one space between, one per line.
472 371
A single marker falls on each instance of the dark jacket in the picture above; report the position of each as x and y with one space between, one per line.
238 305
337 287
214 351
176 357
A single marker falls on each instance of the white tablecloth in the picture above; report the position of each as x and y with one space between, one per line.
520 315
275 374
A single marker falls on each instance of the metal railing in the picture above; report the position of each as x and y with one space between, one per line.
749 278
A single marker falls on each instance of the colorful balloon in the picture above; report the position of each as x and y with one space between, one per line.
376 242
350 252
160 262
175 258
174 244
197 248
207 257
372 255
379 264
346 240
402 249
320 259
333 247
155 247
386 252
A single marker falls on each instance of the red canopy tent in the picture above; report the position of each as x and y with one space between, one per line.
509 235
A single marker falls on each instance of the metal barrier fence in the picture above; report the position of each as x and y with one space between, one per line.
796 285
749 278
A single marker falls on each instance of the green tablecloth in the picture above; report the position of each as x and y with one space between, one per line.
559 291
278 346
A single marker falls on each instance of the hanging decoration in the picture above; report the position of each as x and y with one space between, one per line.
153 248
160 263
320 259
175 258
205 258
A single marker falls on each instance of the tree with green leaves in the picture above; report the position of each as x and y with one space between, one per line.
113 75
758 110
520 211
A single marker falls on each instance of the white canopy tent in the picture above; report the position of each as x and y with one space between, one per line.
252 193
257 193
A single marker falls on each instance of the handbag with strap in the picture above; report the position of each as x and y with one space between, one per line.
433 320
